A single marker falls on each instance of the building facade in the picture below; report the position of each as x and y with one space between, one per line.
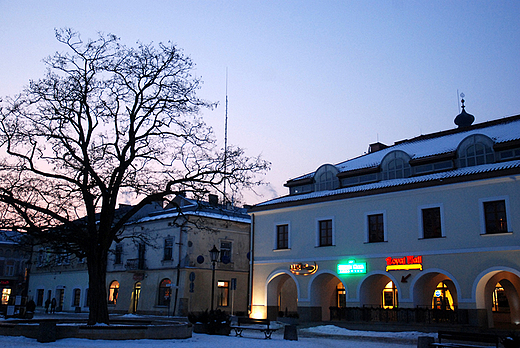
161 265
171 272
13 271
427 225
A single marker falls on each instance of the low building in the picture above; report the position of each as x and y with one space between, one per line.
171 271
161 265
426 230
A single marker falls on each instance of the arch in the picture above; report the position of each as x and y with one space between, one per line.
424 286
483 290
326 178
474 150
282 294
323 294
113 292
164 292
395 165
371 287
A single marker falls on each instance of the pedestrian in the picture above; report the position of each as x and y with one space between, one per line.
53 305
47 304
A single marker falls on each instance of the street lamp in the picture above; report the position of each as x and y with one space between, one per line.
213 254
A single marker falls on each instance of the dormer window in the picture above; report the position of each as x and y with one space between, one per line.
475 150
326 178
396 165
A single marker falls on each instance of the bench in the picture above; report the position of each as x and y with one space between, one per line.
262 325
465 337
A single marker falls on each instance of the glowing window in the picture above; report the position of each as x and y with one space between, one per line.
389 295
113 291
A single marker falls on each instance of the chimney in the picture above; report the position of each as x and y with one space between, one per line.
213 200
376 147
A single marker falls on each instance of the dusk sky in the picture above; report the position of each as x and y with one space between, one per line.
309 82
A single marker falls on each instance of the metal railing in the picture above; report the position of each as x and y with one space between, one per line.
400 315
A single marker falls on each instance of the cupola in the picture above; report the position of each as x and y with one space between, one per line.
464 119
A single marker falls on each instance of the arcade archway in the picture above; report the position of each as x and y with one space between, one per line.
282 296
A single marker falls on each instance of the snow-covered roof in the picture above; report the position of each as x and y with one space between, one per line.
200 213
504 130
398 182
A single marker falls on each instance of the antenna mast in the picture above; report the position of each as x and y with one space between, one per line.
225 140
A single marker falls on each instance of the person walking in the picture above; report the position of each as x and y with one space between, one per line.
47 304
53 305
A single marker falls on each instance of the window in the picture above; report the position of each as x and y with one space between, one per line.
119 254
113 291
225 251
326 178
395 165
376 228
164 292
495 217
325 233
9 268
76 297
475 150
389 296
223 293
500 302
141 252
39 297
282 236
431 223
341 296
6 293
168 249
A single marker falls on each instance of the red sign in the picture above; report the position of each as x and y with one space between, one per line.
404 263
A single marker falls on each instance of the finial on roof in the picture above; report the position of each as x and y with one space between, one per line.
464 119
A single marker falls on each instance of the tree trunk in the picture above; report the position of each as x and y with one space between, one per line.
97 292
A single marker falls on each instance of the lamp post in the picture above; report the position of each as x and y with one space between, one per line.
213 254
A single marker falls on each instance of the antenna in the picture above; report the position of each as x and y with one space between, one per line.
458 101
225 139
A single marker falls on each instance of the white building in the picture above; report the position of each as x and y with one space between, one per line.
162 264
426 230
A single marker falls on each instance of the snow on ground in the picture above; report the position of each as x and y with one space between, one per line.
326 336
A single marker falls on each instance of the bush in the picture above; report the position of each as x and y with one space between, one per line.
217 321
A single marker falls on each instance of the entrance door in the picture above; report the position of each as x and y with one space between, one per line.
135 295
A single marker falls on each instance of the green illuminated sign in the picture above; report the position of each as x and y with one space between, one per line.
352 267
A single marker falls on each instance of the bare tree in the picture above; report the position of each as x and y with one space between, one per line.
107 120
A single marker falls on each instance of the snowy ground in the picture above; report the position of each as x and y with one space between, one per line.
325 336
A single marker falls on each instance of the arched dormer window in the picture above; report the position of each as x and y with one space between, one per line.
326 178
395 165
475 150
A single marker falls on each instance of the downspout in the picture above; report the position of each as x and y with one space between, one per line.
181 230
251 260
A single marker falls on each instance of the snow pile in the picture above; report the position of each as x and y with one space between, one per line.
339 331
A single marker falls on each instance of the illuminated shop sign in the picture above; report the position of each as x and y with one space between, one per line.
404 263
352 267
303 268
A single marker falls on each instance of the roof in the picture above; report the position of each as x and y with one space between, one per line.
190 207
501 131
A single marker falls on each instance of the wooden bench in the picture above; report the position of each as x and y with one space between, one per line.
466 337
262 325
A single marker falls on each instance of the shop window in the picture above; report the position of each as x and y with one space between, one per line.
223 293
168 249
341 296
431 222
165 292
495 217
500 302
389 296
76 297
376 228
282 236
442 298
6 293
325 233
113 292
225 251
